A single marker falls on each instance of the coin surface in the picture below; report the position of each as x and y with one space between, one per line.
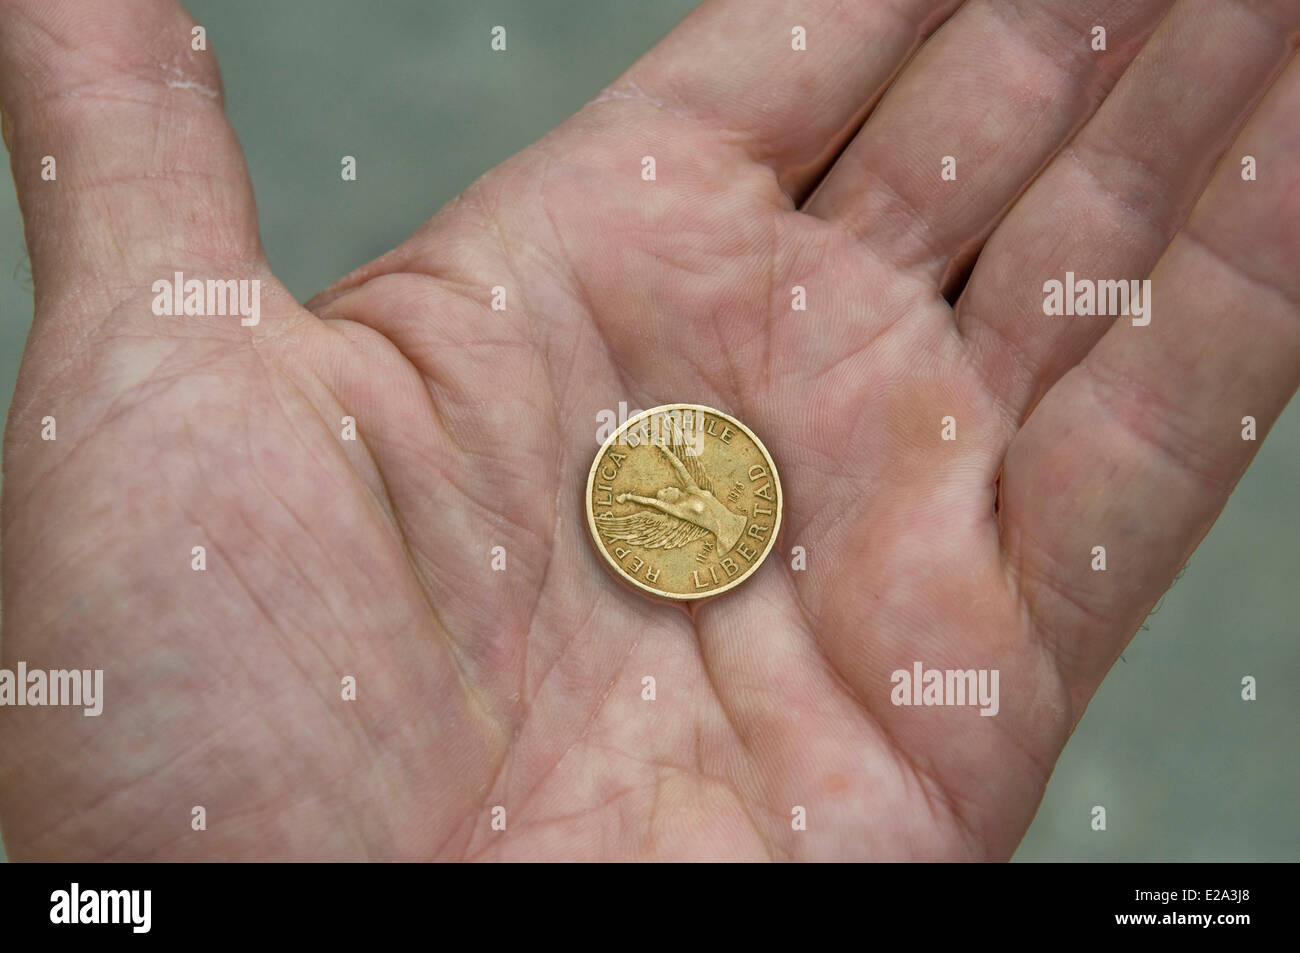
683 501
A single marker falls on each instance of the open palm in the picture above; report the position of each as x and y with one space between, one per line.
478 689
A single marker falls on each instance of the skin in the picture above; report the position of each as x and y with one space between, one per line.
522 688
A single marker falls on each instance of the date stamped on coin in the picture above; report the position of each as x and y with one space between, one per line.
683 501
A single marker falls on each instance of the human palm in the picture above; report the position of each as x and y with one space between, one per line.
522 689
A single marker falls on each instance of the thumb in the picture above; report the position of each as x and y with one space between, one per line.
126 167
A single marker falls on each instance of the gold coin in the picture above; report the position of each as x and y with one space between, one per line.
683 501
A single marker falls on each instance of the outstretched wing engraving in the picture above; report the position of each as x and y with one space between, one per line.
651 530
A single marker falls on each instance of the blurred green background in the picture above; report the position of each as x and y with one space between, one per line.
1184 768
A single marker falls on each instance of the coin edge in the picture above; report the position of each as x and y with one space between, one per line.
658 593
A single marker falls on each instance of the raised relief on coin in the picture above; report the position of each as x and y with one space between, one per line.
683 501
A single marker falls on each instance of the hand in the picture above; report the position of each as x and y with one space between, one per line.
371 558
